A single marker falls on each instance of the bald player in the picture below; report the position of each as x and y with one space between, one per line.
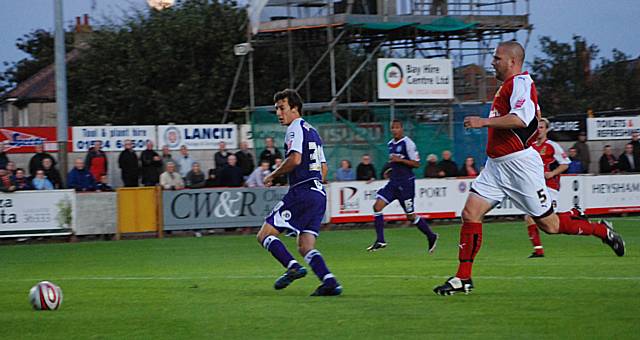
513 169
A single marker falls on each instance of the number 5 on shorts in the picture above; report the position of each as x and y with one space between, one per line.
542 196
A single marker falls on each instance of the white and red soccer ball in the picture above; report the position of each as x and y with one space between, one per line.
45 296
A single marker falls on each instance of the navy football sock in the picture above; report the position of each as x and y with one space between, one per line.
423 226
379 223
315 260
279 251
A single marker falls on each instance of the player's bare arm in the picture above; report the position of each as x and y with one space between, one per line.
293 159
557 171
510 121
407 162
325 172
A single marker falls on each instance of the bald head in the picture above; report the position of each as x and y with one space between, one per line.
514 49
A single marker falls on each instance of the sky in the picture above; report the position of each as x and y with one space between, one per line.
606 23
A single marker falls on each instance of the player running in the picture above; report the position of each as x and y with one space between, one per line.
513 169
403 158
302 208
555 162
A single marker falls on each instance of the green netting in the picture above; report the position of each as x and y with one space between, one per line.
446 24
349 140
382 26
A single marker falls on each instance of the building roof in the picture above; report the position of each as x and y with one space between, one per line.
40 87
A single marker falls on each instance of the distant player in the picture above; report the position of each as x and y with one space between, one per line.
303 207
555 162
403 158
513 169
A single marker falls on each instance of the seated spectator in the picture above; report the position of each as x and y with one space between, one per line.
11 167
575 167
96 160
280 180
449 167
21 181
627 162
432 170
345 172
468 168
245 159
231 175
3 156
608 162
195 177
171 179
6 183
256 179
52 174
103 185
40 181
79 178
35 162
365 170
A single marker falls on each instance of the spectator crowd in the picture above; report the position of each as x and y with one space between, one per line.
238 169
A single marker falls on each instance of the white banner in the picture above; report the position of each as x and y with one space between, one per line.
606 128
445 198
415 79
198 137
112 137
31 212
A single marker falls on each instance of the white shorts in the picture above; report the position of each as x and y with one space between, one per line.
520 176
554 195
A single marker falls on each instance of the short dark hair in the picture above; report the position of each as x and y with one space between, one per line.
396 121
292 97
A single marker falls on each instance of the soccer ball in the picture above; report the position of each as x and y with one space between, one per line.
45 296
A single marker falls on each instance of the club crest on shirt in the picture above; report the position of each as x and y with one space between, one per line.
543 151
398 148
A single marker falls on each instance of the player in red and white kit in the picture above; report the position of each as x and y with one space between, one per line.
555 162
513 169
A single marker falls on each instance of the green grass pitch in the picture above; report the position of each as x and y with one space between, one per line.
222 287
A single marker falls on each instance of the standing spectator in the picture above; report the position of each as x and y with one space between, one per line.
627 162
575 167
365 170
11 167
3 156
635 142
468 168
221 157
36 161
449 167
270 152
171 179
128 163
195 177
96 161
185 162
231 174
166 157
345 172
245 159
256 179
6 183
21 181
151 166
582 150
608 162
280 180
79 178
40 181
103 184
52 174
432 170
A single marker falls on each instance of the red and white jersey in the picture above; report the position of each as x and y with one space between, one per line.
551 152
517 96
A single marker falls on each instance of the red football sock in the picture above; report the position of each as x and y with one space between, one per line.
572 226
470 242
534 236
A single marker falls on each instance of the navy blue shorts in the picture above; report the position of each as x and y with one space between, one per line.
403 191
301 209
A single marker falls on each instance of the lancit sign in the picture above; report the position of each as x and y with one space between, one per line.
415 78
